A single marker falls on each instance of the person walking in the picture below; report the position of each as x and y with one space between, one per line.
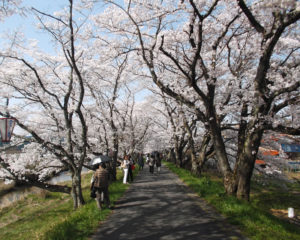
151 163
141 161
125 166
100 182
130 174
147 158
158 162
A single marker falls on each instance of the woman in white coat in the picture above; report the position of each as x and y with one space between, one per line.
125 166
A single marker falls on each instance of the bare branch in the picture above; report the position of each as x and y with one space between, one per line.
250 16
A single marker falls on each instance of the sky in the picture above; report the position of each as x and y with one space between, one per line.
26 23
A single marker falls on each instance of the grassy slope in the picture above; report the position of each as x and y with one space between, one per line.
52 216
254 218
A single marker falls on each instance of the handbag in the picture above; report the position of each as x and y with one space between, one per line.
132 167
93 191
123 165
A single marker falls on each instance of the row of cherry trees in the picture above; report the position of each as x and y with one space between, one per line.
221 73
74 102
233 65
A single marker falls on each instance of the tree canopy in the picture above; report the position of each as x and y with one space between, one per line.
218 74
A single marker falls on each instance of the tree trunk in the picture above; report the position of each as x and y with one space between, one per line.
246 164
115 158
230 183
195 165
171 156
202 158
179 156
115 152
221 155
176 147
76 191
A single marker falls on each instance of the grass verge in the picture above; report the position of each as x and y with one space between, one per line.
254 219
52 216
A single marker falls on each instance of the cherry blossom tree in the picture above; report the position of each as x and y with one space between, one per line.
234 64
56 96
104 108
136 129
112 108
10 7
189 140
224 72
49 95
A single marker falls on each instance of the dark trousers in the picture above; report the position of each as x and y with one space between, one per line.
130 175
151 169
102 193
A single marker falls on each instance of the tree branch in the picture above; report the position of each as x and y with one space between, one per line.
250 17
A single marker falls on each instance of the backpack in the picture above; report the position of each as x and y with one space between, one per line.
151 161
101 179
96 181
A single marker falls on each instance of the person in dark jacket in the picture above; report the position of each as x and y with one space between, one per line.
100 182
141 161
130 174
158 162
151 163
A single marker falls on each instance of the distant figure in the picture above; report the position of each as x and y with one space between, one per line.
130 174
158 161
141 161
151 163
100 181
125 166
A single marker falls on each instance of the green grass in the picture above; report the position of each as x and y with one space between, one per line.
52 216
254 219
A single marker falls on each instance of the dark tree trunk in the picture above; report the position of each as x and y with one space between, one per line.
171 156
245 164
188 127
203 153
76 190
176 151
115 157
220 153
179 156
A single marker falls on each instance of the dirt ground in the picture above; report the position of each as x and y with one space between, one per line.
283 214
5 187
293 175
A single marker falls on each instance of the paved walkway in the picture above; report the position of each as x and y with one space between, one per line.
162 207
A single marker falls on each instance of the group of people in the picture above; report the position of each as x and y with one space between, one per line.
154 159
127 165
101 177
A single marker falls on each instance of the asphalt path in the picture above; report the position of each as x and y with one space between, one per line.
163 207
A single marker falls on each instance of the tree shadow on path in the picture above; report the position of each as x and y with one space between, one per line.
162 207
